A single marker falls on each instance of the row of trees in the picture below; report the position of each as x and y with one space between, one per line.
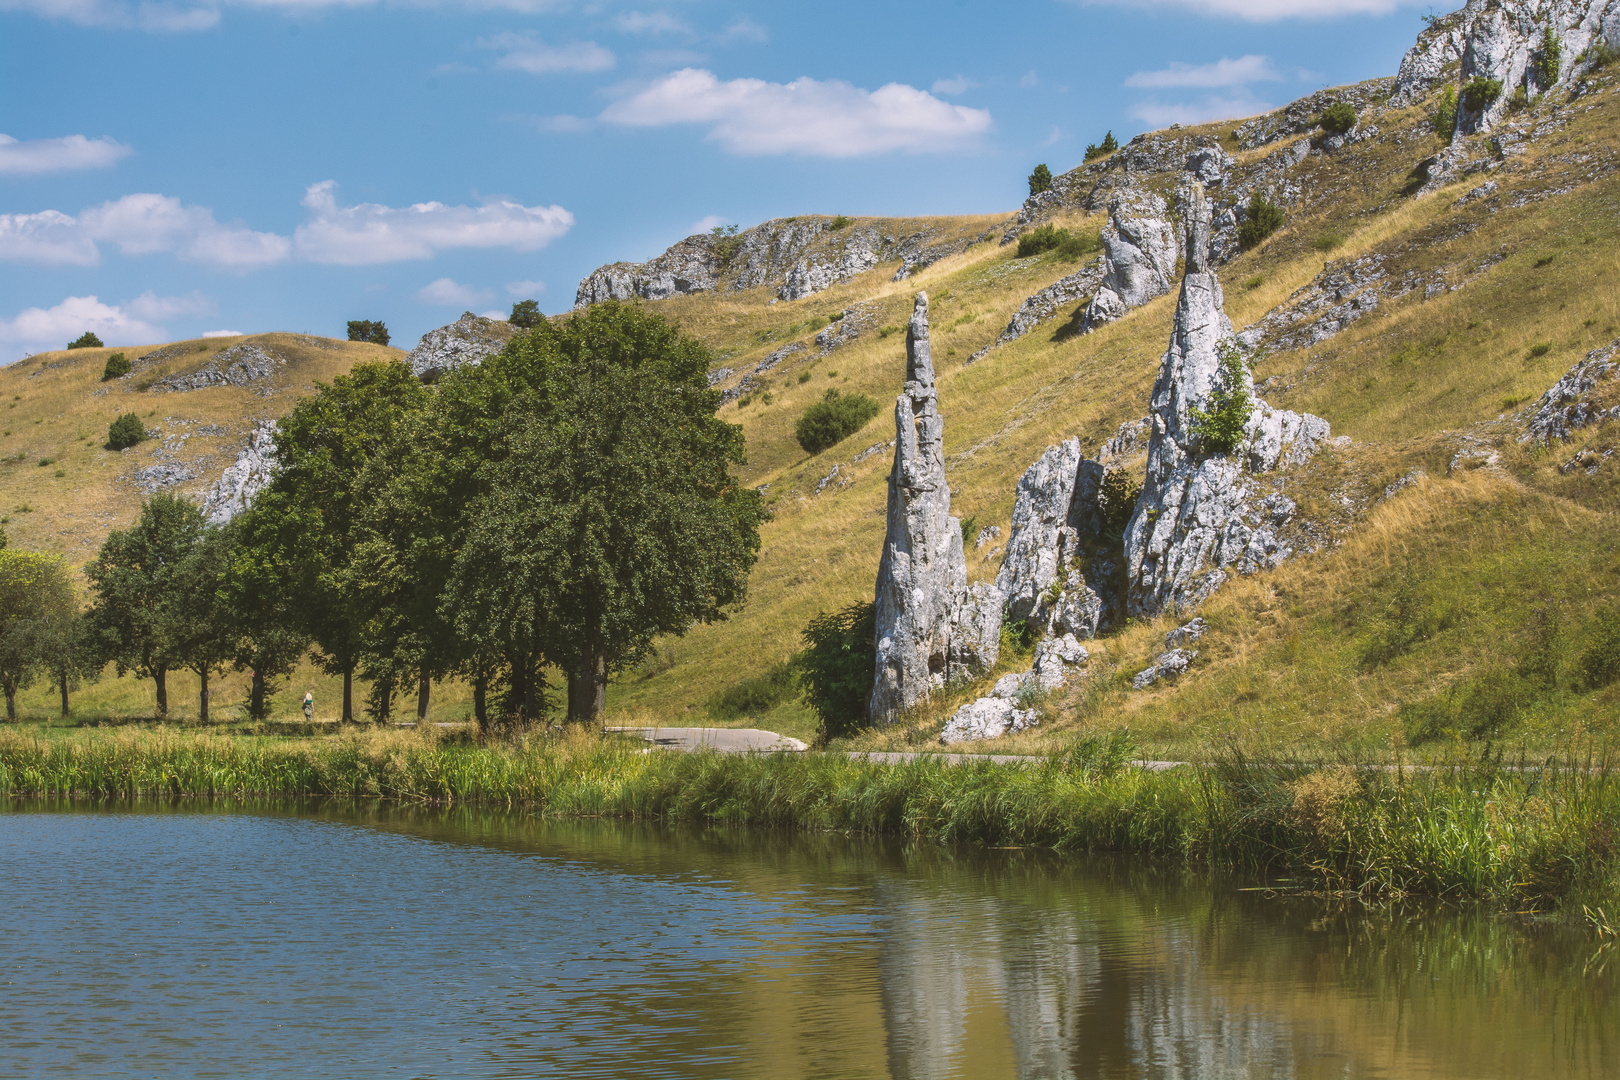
558 506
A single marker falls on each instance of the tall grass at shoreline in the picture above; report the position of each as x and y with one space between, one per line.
1522 836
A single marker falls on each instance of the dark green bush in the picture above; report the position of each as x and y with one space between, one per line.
832 420
756 696
840 222
837 667
526 315
1102 149
1550 58
117 364
1221 426
1600 660
1116 502
86 340
1040 180
367 330
1444 117
1480 93
1069 245
1338 118
1263 218
125 432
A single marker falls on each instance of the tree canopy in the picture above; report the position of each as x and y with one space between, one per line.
36 607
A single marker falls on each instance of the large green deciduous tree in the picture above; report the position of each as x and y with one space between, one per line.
36 608
609 513
203 628
304 525
133 578
259 600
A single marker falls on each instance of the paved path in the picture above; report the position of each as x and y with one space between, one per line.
753 740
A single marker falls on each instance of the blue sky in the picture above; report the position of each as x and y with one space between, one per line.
175 167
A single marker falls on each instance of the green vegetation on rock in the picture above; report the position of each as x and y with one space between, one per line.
1338 118
1102 149
1040 180
1480 93
1262 217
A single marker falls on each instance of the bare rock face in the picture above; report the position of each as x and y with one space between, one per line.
239 365
1040 529
470 340
242 481
1003 711
1201 513
1139 256
930 625
690 266
1050 301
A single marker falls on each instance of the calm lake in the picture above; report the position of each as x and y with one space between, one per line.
205 940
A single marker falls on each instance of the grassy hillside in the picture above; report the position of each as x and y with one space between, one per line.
1484 301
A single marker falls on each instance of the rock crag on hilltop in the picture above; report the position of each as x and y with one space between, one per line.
1201 515
931 625
471 339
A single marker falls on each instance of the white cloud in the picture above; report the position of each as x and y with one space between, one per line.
655 22
526 52
222 333
806 116
1029 81
448 293
1222 73
496 314
369 233
1214 107
133 323
66 154
704 224
1050 140
138 225
744 30
525 288
954 85
1269 10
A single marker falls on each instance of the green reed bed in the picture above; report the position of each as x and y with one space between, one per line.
1521 835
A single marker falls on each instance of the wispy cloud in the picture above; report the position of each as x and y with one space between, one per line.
135 322
807 116
1268 10
137 225
222 333
70 153
656 22
370 233
526 52
1222 73
448 293
1213 107
168 17
525 288
956 84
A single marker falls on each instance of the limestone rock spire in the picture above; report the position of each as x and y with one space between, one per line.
922 591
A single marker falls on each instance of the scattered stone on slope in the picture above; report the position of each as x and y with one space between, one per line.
746 385
999 713
819 272
849 325
777 357
166 474
1587 393
239 365
1203 513
1301 117
930 625
1342 293
242 481
1050 301
986 534
1139 256
470 340
1187 633
1170 664
720 375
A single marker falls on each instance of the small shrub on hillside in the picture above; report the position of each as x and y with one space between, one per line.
1550 57
1017 636
840 222
1221 426
1116 502
368 330
1545 260
1599 55
756 696
1338 118
125 432
969 526
1541 348
1444 117
1600 660
1067 244
837 667
86 340
1263 217
117 364
804 377
1480 93
832 420
1328 241
1254 282
1102 149
1040 180
1406 619
526 315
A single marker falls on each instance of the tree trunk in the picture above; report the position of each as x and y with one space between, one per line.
348 694
520 684
422 699
385 701
63 681
256 705
587 689
160 677
202 698
11 702
481 700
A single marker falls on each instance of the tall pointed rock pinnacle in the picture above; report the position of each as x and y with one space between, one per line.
1204 511
922 590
